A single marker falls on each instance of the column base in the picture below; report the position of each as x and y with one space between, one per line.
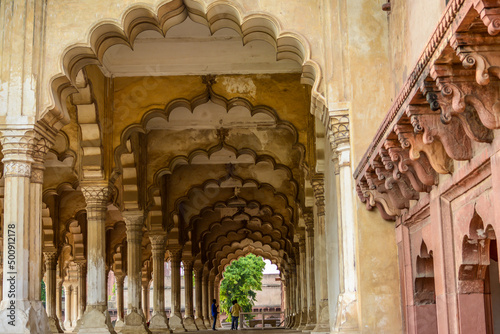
118 325
311 320
295 321
176 324
303 320
96 321
347 314
78 325
323 325
54 325
207 323
200 324
23 316
190 324
134 323
159 324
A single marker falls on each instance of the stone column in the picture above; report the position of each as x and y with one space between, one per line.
145 300
295 295
175 322
286 276
159 321
96 318
303 283
199 298
310 274
22 309
323 313
50 266
206 301
68 296
74 306
120 307
134 320
82 288
82 294
211 296
189 322
217 297
59 287
347 305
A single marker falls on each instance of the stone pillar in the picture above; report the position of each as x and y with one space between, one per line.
347 304
82 294
82 288
175 322
51 295
74 306
68 296
96 318
217 297
323 313
211 296
120 307
145 300
206 301
134 320
189 322
303 283
59 287
24 151
159 321
296 295
310 274
199 298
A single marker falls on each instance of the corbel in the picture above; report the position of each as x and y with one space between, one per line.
460 97
420 172
394 181
479 52
383 182
489 12
427 122
434 151
373 199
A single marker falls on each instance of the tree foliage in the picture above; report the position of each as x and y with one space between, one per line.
242 279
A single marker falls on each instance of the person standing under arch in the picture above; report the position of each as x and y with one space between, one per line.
235 314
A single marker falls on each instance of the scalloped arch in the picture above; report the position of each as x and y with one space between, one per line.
216 16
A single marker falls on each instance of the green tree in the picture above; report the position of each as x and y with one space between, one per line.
241 281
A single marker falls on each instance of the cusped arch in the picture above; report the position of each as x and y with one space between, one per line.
216 16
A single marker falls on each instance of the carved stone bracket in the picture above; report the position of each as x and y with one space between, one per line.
490 14
475 106
434 150
452 135
419 171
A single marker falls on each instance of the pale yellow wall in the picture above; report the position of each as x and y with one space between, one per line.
411 23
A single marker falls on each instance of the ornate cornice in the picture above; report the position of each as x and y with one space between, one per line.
446 104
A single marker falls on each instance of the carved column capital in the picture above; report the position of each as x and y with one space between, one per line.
318 185
158 241
175 253
96 194
50 260
338 128
309 221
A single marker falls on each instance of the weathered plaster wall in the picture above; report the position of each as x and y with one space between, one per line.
371 91
411 24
